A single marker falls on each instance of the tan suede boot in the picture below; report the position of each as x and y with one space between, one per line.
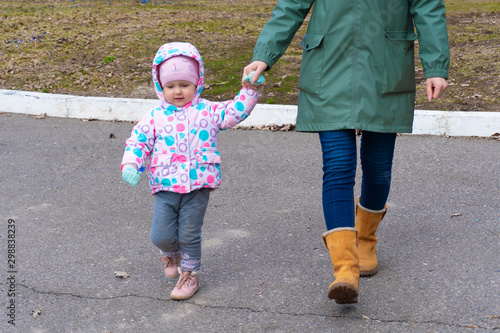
366 223
343 248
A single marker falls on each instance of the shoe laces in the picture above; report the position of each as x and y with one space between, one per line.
184 280
167 261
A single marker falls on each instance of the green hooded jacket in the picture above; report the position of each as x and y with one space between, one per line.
358 68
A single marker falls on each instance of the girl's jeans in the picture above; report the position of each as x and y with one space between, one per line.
177 222
339 171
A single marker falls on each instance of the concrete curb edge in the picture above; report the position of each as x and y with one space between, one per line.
448 123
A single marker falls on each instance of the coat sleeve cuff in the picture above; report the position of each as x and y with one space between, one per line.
436 73
133 162
265 57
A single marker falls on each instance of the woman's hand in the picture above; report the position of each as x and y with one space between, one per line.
258 67
435 87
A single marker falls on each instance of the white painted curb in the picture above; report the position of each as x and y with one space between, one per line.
450 123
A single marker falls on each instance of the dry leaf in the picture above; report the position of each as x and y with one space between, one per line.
365 317
42 116
36 313
122 275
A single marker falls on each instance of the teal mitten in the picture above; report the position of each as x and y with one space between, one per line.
259 81
130 175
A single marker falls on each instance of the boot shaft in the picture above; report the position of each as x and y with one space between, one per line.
342 244
367 221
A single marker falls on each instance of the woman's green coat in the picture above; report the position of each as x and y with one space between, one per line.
357 67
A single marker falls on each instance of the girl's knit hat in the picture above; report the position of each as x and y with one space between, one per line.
179 68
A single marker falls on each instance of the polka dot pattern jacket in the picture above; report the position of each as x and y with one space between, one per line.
182 142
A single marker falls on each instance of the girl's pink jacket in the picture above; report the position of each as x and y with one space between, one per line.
182 143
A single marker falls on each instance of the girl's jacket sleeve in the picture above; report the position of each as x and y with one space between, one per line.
140 143
277 34
230 113
430 22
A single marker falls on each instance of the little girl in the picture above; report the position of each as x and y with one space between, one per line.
180 137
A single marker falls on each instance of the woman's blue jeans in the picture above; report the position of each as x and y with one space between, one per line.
339 172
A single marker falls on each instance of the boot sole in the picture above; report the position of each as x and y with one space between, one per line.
343 293
368 273
172 276
183 298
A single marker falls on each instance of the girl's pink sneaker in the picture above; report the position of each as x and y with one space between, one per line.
171 265
186 286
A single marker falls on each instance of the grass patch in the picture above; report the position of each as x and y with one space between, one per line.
106 47
471 6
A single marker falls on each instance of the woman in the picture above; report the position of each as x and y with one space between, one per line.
357 72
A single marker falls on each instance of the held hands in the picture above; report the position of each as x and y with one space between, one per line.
259 83
435 87
254 70
130 174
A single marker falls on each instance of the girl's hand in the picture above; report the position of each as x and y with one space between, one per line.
435 87
258 67
260 83
130 174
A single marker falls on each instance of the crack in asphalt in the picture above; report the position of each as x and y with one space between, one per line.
256 310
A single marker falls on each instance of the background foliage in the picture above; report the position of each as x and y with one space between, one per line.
105 48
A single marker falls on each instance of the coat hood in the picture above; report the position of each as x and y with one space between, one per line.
170 50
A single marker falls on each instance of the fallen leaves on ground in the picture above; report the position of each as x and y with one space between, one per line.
121 275
272 128
36 313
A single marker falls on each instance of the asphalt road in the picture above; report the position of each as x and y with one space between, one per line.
265 268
